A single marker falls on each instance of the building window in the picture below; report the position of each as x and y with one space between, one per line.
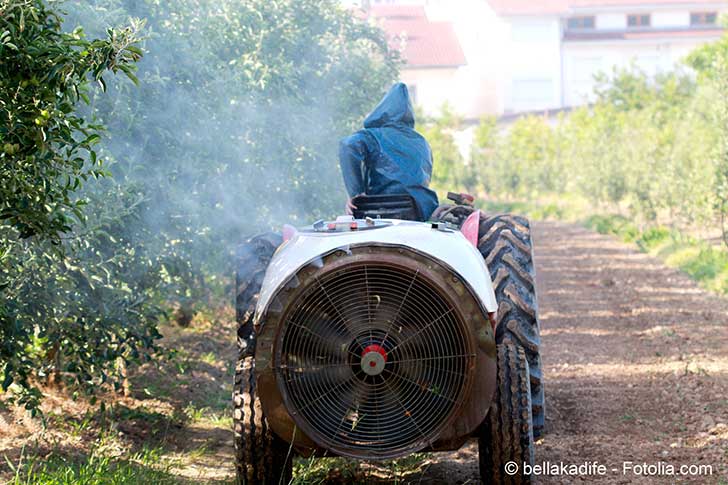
580 23
638 20
703 18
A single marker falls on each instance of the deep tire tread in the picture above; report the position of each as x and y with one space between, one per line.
261 457
507 432
504 240
505 243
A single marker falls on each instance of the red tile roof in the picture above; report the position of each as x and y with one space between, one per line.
557 7
422 43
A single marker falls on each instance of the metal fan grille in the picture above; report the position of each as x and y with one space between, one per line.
372 360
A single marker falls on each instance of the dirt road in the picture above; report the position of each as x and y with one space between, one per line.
636 363
636 358
636 369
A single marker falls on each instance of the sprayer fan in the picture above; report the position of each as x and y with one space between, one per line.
373 360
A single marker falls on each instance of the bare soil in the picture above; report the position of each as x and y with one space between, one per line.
180 407
636 370
636 364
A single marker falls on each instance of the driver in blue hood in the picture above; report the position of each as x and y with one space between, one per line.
388 156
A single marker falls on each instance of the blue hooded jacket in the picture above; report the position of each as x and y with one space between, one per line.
388 156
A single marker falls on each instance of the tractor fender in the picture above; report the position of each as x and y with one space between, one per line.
447 246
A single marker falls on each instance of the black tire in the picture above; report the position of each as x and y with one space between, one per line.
261 457
505 243
252 260
506 435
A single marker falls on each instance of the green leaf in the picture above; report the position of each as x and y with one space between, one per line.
132 77
136 50
8 376
92 139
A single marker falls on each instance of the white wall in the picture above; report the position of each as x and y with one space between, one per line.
670 18
579 69
433 87
611 21
477 87
533 64
513 63
583 60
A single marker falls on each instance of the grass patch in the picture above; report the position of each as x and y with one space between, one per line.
655 237
194 413
209 358
706 264
153 419
220 419
310 471
143 467
615 225
320 470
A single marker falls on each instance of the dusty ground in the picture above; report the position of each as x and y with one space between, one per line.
636 364
636 359
636 367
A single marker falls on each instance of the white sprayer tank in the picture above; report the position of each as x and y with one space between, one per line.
446 245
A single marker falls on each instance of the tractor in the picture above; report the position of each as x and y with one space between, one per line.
375 336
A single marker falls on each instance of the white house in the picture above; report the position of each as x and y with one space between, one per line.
557 47
504 57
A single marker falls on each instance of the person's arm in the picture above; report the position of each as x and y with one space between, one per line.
353 153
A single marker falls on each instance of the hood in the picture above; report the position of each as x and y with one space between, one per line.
395 109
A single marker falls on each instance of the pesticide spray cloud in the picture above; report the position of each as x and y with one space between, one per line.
235 124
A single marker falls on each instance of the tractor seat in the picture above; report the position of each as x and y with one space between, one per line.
388 206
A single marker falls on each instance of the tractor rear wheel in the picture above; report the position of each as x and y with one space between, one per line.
261 457
505 441
505 243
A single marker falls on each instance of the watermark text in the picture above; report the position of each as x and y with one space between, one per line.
595 468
